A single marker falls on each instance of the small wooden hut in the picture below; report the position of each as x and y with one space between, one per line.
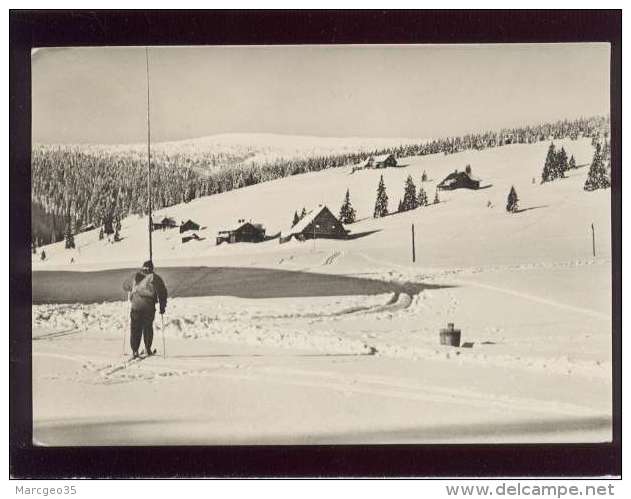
459 180
242 232
382 161
189 225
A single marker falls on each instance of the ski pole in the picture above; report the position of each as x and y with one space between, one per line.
164 347
126 310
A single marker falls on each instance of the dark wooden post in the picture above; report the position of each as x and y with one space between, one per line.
413 248
593 241
149 158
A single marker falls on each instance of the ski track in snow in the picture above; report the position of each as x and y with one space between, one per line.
386 386
536 299
409 272
320 324
332 257
304 326
98 371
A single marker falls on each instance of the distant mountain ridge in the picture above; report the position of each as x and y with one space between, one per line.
250 147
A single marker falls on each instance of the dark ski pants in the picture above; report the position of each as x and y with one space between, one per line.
141 327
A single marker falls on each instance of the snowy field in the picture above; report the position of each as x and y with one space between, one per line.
273 352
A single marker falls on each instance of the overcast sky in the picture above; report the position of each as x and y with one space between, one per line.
98 95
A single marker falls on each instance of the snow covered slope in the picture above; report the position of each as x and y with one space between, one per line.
460 231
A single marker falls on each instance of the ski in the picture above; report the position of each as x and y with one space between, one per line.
56 334
127 362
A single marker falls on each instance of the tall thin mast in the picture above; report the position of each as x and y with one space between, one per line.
149 156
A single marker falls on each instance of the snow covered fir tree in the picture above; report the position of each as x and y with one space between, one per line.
511 202
69 238
562 163
551 170
347 212
422 197
409 201
108 225
556 165
598 176
381 204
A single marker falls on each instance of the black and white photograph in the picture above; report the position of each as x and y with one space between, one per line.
322 244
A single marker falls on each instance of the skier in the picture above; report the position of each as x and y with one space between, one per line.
145 288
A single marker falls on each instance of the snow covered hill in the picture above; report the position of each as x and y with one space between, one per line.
461 231
268 146
251 147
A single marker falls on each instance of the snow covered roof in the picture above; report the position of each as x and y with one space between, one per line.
238 225
304 222
457 177
382 157
454 175
232 228
379 159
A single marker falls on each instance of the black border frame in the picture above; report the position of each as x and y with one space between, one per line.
233 27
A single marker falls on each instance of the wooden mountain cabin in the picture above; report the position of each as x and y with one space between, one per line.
383 161
459 180
168 223
189 225
508 138
319 223
242 232
165 223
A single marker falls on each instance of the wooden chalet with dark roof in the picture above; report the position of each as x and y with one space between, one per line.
318 223
459 180
189 225
242 232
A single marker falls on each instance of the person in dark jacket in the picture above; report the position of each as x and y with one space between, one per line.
145 289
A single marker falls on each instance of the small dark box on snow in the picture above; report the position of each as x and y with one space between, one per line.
450 336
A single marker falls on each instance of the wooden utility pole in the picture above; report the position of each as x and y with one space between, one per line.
149 157
593 242
315 226
413 247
